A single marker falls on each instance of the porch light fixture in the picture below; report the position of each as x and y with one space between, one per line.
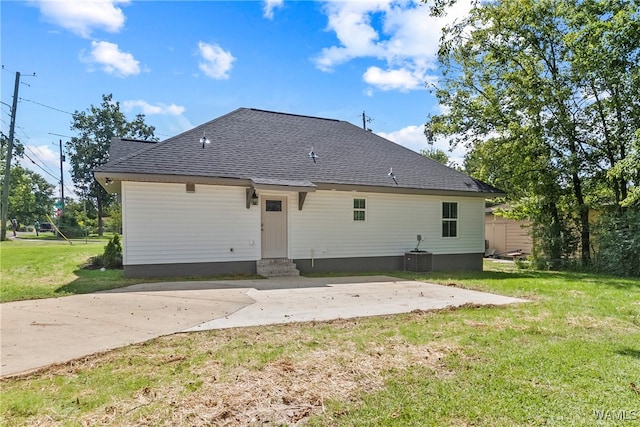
392 175
204 140
108 181
252 197
313 155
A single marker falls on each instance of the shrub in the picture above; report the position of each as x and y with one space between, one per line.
112 256
68 225
617 243
114 219
72 232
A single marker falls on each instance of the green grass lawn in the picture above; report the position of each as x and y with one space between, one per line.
35 269
569 357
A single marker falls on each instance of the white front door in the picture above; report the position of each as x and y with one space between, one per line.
274 227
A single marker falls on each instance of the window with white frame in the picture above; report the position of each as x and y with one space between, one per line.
359 209
449 219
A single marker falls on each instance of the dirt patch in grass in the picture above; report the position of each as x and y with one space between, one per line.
285 390
601 323
498 323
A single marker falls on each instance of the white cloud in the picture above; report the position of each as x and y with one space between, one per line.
45 154
169 119
400 33
81 17
401 79
176 124
413 138
351 22
112 59
216 62
148 109
270 6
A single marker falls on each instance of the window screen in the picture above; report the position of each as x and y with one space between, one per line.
449 219
359 209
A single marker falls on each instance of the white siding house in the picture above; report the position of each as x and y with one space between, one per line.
256 195
163 224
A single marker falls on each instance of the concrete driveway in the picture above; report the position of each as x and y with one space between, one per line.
38 333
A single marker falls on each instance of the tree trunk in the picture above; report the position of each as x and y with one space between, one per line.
551 235
583 211
100 225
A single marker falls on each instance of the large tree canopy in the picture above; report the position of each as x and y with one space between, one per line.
96 127
31 196
546 94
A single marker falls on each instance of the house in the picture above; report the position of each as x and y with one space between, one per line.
320 194
506 236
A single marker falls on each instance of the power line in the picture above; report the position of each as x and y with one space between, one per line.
41 168
24 132
64 136
56 178
44 164
46 106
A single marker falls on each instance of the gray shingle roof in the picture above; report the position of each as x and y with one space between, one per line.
121 148
270 146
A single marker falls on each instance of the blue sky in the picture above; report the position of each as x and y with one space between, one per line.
183 63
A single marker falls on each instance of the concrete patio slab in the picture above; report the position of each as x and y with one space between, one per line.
38 333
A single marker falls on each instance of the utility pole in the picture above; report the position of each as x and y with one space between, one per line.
61 176
366 119
7 167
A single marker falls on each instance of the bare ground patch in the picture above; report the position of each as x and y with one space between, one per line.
286 391
602 323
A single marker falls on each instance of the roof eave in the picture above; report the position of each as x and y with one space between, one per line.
111 181
406 190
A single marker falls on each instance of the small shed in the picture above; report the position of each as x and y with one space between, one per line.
506 236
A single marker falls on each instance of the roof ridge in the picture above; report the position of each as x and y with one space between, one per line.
138 140
158 143
254 143
152 144
294 115
205 124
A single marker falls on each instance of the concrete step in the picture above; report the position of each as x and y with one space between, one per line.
277 267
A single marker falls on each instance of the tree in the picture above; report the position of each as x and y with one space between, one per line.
31 196
436 154
114 221
90 149
605 42
542 118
